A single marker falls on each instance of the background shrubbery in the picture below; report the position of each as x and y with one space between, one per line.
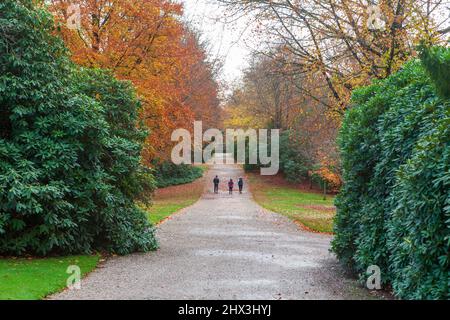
394 209
297 163
169 174
69 147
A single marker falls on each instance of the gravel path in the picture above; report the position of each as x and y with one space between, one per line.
225 247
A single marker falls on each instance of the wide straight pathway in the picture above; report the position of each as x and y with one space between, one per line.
225 247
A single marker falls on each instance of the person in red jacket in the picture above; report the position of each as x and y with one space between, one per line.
230 186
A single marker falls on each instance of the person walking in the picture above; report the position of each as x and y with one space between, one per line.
230 186
216 182
241 185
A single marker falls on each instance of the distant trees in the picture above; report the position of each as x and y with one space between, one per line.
269 99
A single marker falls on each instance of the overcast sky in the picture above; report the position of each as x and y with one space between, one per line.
228 40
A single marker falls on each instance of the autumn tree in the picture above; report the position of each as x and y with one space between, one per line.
144 41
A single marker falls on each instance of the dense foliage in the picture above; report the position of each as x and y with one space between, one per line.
394 209
169 174
69 147
437 62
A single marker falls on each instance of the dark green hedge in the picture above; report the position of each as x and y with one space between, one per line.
168 174
69 147
394 208
437 63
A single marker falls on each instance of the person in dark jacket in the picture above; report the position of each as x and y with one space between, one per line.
230 186
241 185
216 182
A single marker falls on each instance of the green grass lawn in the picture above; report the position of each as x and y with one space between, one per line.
308 208
163 209
33 279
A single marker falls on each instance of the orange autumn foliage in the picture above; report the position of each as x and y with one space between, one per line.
146 42
331 178
328 170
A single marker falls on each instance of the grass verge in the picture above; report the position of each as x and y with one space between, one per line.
304 206
169 200
34 279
